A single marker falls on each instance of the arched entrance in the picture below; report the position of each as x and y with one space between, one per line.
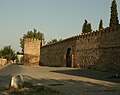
68 58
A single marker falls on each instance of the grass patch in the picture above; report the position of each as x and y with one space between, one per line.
30 88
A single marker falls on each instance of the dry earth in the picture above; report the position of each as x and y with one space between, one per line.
68 81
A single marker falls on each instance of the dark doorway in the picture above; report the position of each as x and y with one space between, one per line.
68 58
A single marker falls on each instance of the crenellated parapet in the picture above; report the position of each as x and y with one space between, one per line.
34 40
83 36
96 33
31 40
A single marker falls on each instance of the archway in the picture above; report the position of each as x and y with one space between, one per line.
68 58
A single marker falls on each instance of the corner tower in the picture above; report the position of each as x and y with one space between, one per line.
32 51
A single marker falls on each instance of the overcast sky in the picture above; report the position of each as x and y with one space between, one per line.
55 18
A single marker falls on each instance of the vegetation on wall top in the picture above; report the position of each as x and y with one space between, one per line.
31 34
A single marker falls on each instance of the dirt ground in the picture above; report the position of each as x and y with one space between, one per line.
68 81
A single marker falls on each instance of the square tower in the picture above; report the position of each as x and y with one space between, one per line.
32 51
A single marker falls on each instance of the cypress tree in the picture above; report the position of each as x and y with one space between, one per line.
89 29
86 27
101 25
114 15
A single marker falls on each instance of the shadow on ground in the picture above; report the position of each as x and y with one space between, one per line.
94 74
77 87
72 87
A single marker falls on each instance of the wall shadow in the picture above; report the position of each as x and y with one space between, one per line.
94 74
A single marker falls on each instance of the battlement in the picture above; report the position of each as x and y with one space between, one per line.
88 35
31 40
96 33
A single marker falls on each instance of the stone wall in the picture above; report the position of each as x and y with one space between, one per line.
55 54
31 51
99 50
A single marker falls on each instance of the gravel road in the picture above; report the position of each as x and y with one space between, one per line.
69 81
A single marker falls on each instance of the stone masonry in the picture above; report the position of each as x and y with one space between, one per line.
97 50
32 51
55 54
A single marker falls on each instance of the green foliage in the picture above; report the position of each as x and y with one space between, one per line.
101 25
31 34
114 15
8 53
86 27
52 41
0 54
22 43
89 27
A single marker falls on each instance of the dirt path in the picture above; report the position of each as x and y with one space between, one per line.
69 81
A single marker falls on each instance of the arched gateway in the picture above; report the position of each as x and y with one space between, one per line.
69 57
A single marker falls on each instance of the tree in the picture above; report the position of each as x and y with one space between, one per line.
0 53
114 15
8 53
89 29
31 34
86 27
101 25
52 41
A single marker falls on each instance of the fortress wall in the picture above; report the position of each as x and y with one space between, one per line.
55 54
99 50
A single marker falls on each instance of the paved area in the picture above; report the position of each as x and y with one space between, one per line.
69 81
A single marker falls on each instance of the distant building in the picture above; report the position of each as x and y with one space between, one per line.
20 58
3 61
